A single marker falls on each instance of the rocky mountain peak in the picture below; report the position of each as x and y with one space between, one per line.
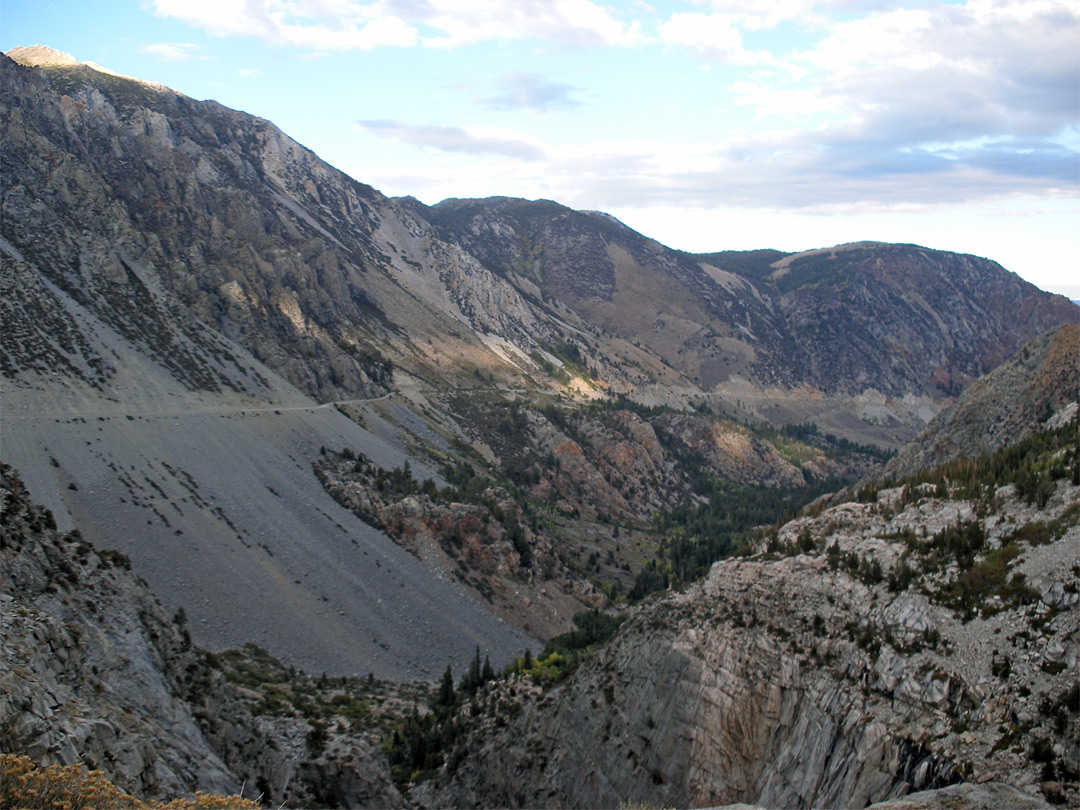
41 56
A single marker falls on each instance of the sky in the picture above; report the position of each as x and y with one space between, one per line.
705 124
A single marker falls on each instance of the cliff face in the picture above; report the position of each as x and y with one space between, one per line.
875 649
95 671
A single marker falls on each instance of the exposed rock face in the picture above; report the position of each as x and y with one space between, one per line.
813 680
989 796
1011 402
95 671
117 192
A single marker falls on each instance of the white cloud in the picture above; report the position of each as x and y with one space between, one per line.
775 170
174 51
469 140
754 14
341 25
319 25
531 92
895 104
219 17
976 101
715 35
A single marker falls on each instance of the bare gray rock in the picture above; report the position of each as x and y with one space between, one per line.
989 796
805 680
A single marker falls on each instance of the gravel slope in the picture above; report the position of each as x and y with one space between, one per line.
213 498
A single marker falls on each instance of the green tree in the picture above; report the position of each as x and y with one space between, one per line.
446 689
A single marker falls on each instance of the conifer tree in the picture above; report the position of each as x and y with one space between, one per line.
446 690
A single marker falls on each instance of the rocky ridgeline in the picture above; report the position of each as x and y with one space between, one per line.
857 657
94 671
161 216
168 219
833 319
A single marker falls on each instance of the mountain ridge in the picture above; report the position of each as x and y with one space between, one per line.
348 226
197 264
1007 404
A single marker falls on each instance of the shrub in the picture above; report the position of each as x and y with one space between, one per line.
24 786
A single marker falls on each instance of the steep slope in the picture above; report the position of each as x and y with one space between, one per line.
133 417
94 670
179 278
1015 399
212 495
313 272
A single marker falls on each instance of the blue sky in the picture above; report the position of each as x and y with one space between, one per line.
709 125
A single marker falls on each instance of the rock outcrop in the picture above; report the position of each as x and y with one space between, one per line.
989 796
95 671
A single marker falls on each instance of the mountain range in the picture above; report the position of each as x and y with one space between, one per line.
374 436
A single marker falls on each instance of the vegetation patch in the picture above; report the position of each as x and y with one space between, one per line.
24 786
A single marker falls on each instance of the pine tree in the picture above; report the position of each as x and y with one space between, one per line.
446 690
527 662
488 673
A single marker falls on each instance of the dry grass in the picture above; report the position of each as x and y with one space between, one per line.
24 786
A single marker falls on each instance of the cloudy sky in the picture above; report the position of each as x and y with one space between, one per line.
707 124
